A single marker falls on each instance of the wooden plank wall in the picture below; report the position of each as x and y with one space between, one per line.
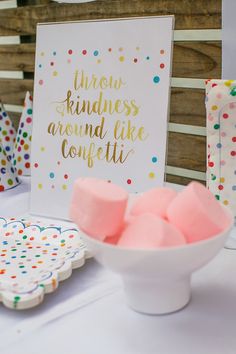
197 56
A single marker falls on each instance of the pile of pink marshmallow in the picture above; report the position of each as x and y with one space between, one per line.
158 218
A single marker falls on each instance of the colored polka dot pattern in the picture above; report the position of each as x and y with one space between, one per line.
21 156
221 140
32 255
8 173
7 132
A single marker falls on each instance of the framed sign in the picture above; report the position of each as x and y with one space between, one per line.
100 106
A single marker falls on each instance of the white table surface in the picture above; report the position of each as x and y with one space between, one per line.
88 313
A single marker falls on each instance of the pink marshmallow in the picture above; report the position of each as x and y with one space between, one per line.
148 231
155 201
98 207
196 212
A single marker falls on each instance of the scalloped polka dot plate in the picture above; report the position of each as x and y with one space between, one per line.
34 257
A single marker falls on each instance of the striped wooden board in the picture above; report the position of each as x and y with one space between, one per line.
197 56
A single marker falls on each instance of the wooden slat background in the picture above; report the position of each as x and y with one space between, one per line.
192 59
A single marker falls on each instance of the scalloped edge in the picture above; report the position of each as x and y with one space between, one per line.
21 301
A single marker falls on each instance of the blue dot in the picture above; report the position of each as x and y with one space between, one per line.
54 53
219 145
5 243
234 188
95 53
24 272
3 170
4 114
156 79
7 148
51 175
47 244
13 256
154 159
40 65
8 262
147 58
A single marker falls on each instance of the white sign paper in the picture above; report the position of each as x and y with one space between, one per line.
100 107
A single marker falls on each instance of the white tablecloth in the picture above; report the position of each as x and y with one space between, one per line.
88 313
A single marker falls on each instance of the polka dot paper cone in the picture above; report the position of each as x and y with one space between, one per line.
7 132
8 174
21 156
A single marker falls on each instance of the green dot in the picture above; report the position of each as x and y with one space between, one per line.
13 249
42 285
63 241
25 135
18 139
233 91
17 298
4 132
217 197
21 266
10 182
213 178
216 126
24 237
37 255
22 256
18 243
29 111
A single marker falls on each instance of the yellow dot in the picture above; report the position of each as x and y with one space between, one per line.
64 186
228 83
42 54
62 244
30 138
40 186
137 48
42 148
26 147
19 158
99 61
151 175
225 202
55 73
222 180
214 108
121 58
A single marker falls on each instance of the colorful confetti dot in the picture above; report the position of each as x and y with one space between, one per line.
129 181
95 53
122 59
41 82
156 79
51 175
151 175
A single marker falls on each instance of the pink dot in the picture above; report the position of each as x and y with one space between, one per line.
213 85
69 61
223 134
58 162
233 153
219 95
40 82
36 165
19 149
162 65
54 236
129 181
211 164
225 116
70 51
29 120
71 236
84 52
231 105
